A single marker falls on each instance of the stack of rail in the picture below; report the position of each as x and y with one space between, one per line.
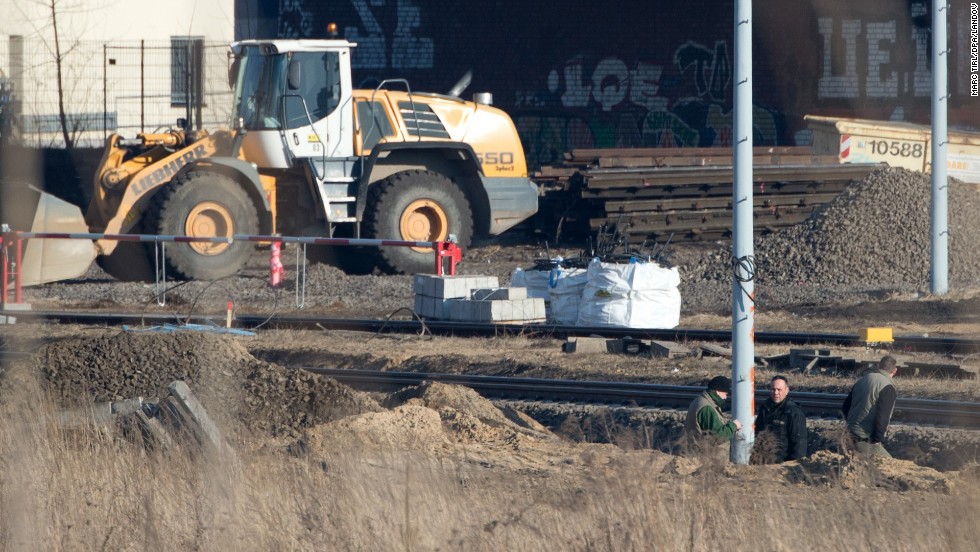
653 194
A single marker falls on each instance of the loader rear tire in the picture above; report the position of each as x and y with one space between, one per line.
416 206
204 204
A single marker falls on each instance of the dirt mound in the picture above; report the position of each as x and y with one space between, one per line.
407 427
449 398
448 421
283 401
826 468
234 386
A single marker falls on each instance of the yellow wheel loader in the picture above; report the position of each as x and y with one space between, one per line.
310 155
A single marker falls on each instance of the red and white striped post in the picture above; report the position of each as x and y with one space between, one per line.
18 269
10 269
277 272
3 270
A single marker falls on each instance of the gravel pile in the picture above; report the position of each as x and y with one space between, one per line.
876 233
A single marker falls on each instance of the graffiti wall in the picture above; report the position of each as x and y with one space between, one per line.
654 73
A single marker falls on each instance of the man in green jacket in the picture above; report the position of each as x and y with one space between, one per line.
868 408
706 427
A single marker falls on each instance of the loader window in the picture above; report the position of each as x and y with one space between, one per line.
313 90
373 122
257 89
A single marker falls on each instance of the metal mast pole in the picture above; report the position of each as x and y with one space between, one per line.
940 182
743 290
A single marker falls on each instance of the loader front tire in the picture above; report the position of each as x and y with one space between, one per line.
416 206
204 204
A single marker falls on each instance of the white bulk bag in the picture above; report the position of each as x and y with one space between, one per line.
536 282
635 295
566 286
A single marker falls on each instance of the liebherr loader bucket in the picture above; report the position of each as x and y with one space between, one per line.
49 260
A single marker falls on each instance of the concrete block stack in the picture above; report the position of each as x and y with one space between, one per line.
474 299
433 293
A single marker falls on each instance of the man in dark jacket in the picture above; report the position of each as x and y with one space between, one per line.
868 408
781 424
706 428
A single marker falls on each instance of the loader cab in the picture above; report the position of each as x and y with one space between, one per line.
294 98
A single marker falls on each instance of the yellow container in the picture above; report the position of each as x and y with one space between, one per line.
898 143
877 335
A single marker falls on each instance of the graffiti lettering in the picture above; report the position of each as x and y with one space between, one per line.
371 44
407 50
295 21
711 69
885 73
610 84
610 81
833 84
618 105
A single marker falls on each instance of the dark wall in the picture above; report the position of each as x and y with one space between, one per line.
64 173
633 73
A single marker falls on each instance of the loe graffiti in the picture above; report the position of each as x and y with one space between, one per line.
614 104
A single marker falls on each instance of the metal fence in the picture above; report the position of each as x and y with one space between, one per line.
98 89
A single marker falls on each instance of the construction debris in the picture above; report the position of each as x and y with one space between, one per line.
625 346
952 371
811 361
710 349
668 349
586 345
822 361
177 418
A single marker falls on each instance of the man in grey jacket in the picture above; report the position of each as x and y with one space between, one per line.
868 408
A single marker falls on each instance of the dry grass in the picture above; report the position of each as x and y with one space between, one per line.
93 490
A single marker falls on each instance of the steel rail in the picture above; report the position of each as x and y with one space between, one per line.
946 345
823 405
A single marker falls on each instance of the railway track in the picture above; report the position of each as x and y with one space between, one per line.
927 412
912 411
923 412
933 344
